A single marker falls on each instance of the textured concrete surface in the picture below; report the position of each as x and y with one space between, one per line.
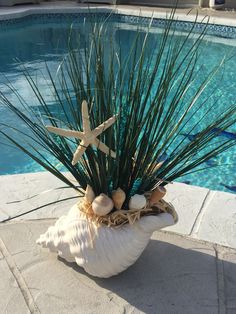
11 298
174 275
24 192
188 203
229 261
218 222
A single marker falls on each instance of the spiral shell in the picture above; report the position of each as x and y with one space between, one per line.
137 202
89 195
102 251
102 205
118 197
157 195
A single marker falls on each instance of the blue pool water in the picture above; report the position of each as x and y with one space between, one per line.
36 40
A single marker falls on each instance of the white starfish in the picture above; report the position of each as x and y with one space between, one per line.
88 136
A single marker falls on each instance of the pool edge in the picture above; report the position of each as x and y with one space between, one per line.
22 11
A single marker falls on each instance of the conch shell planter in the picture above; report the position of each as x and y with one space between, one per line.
103 251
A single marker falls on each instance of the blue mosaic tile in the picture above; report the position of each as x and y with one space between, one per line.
56 18
212 29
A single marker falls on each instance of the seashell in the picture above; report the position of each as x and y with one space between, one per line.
102 251
137 202
102 205
157 195
118 197
89 194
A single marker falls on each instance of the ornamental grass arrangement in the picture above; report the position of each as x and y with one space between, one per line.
118 130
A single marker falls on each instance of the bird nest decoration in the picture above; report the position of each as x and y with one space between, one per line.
120 124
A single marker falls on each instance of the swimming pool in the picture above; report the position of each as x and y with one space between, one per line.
40 38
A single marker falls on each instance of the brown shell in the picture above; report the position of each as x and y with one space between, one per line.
118 197
157 195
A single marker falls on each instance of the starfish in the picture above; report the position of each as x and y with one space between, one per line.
88 136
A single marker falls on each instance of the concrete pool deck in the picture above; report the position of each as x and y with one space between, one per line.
186 268
174 275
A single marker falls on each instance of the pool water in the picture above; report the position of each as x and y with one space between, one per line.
34 44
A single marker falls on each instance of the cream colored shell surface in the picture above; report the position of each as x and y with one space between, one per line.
102 251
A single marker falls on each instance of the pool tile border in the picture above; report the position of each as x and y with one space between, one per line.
212 29
183 22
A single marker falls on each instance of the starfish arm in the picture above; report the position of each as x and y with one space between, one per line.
79 152
105 125
104 148
64 132
85 117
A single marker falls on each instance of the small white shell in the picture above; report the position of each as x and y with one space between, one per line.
137 202
102 205
89 194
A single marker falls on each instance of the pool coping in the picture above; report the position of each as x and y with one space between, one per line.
203 214
73 7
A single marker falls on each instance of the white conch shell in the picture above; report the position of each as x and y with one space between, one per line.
137 202
118 197
102 251
157 195
89 194
102 205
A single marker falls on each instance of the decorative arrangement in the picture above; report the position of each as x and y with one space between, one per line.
118 129
88 235
107 249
